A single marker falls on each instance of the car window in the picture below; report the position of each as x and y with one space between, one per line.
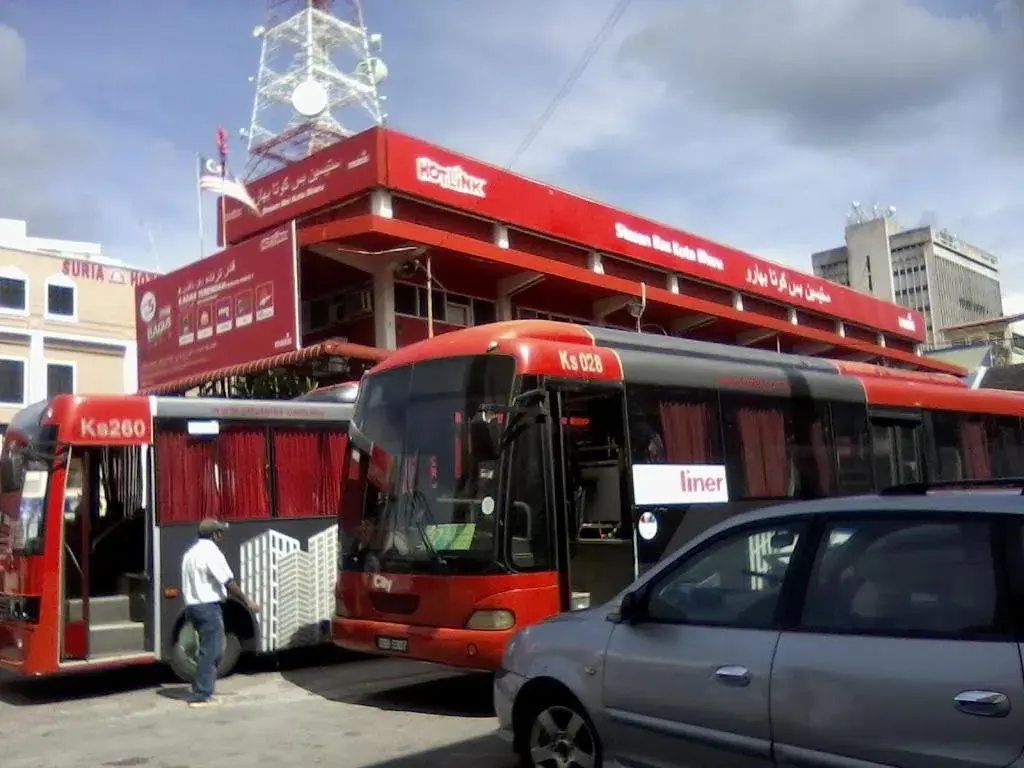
904 578
736 581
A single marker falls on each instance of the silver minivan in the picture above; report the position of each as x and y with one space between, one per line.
854 632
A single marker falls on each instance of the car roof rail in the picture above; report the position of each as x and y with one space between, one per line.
922 488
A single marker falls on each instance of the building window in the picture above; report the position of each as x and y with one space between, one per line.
60 379
61 298
448 308
13 291
12 381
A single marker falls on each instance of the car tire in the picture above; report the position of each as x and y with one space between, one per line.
558 728
183 658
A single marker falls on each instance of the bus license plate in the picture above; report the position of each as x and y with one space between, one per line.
396 644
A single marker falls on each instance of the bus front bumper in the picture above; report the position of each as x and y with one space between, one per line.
469 648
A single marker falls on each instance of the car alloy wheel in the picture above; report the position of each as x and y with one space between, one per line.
561 737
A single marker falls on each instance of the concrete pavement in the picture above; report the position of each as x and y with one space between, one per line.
365 713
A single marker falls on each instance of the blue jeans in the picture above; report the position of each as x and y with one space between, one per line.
208 620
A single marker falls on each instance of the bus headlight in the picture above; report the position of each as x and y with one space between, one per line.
491 620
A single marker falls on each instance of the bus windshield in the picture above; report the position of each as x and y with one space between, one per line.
22 509
433 510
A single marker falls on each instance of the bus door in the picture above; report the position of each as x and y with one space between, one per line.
596 552
897 446
75 560
107 597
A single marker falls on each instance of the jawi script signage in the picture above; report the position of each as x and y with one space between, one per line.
234 307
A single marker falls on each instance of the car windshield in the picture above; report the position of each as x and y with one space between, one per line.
433 507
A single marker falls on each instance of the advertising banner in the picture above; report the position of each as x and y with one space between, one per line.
432 172
234 307
330 176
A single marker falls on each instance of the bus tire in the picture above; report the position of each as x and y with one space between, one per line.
183 659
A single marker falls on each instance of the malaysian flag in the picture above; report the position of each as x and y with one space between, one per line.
213 177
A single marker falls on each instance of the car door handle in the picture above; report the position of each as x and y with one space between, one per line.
983 703
733 675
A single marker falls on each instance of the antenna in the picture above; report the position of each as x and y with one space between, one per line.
317 82
148 227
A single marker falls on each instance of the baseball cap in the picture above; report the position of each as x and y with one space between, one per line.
210 526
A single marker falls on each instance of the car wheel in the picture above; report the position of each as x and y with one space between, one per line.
561 735
185 651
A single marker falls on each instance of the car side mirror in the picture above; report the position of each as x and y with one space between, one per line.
632 607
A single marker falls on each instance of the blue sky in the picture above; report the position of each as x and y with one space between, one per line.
754 123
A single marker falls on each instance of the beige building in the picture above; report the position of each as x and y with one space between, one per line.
67 319
949 281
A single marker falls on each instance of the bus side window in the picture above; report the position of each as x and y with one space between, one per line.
529 526
1006 445
946 434
852 443
670 425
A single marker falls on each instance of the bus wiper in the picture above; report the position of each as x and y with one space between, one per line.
416 495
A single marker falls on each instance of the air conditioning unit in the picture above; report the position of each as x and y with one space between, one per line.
358 303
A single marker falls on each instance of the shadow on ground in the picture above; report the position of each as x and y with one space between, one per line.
487 751
82 685
401 685
96 684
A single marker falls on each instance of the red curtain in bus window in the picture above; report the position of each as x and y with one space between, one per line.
763 445
185 486
242 462
308 471
974 449
332 456
685 432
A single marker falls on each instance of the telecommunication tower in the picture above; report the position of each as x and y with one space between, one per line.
317 81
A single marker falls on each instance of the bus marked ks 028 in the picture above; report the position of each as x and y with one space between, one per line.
100 497
516 470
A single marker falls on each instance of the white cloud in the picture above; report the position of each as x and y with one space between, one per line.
752 123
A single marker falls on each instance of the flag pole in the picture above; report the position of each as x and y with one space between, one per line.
222 149
223 217
199 204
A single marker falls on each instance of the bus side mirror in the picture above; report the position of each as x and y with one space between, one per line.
12 476
531 399
483 443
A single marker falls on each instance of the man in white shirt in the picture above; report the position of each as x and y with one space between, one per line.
206 582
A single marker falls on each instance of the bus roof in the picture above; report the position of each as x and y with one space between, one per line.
128 419
570 350
334 393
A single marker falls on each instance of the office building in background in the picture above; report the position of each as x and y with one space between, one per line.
950 282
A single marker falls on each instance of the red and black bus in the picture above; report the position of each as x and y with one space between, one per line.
99 499
515 470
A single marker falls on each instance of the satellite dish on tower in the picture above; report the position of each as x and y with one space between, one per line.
373 70
309 98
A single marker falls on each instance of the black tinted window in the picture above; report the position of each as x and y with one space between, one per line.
734 582
904 578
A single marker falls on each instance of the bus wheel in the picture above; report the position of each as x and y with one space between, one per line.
185 651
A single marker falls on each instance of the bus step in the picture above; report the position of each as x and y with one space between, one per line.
122 637
102 610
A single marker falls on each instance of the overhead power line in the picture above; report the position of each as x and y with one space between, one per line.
599 39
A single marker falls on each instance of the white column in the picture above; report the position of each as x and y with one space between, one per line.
36 368
131 367
384 309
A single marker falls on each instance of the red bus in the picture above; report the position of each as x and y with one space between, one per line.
100 496
516 470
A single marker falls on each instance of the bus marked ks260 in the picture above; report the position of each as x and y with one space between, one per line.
100 495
